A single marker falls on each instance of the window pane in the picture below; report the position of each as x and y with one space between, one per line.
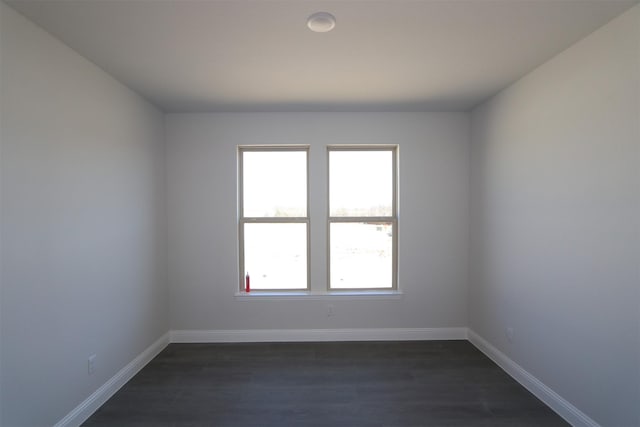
275 255
361 255
360 183
274 183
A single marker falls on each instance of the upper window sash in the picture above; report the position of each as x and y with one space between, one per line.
362 193
258 178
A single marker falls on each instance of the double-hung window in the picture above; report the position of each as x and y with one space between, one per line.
274 217
362 217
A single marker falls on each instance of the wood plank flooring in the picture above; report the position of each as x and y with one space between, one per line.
373 384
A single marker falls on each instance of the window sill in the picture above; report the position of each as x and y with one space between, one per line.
310 296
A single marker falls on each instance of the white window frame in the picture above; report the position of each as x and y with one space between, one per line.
242 220
393 218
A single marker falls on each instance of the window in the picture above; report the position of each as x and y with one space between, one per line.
274 217
362 217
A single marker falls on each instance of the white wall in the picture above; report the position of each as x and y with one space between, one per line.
82 227
556 222
202 207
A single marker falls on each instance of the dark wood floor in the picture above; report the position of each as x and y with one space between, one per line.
417 383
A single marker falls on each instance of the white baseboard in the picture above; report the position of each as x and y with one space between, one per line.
91 404
562 407
300 335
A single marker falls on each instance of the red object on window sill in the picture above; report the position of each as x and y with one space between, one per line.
247 286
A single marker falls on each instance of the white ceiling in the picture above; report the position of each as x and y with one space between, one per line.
258 55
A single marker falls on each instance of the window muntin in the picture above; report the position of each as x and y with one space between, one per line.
274 221
362 229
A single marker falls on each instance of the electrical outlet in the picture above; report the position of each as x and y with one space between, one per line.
91 364
330 310
508 332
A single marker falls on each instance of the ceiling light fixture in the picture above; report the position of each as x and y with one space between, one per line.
321 22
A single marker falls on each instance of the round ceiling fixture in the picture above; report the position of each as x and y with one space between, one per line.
321 22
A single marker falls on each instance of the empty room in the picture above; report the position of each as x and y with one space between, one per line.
320 213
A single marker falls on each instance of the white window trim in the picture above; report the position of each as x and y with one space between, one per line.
242 220
393 219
